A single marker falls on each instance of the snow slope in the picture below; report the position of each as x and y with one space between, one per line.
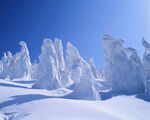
19 102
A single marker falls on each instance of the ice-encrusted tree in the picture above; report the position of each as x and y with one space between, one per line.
81 74
64 76
4 66
100 73
146 64
93 68
34 70
48 76
59 51
1 68
20 63
123 72
138 68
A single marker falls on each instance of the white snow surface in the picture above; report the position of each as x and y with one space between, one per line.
19 102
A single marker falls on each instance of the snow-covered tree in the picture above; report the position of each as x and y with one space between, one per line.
1 68
21 65
18 65
34 70
59 51
138 68
120 70
146 45
93 68
5 65
100 73
146 64
48 76
64 76
81 74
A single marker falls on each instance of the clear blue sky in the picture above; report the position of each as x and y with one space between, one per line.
82 22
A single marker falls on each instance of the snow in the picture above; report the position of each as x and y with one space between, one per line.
48 76
18 65
59 52
146 64
146 45
19 102
70 88
81 74
124 74
93 68
34 70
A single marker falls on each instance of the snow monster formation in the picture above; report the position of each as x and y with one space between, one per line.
18 65
34 70
64 74
146 63
125 74
21 65
81 74
93 68
5 63
48 76
51 70
59 51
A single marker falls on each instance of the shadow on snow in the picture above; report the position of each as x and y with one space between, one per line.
11 85
21 99
25 82
144 96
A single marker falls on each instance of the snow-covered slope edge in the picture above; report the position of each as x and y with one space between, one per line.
23 103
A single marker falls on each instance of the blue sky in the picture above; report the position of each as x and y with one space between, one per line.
82 22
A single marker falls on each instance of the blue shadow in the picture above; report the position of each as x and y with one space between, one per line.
25 82
20 99
144 96
11 85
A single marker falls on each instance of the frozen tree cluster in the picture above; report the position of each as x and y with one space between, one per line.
125 72
124 69
16 66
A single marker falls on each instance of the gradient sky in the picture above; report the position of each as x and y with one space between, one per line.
82 22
